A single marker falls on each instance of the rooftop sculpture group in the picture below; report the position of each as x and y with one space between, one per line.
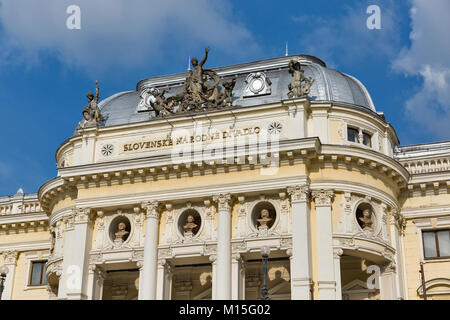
201 92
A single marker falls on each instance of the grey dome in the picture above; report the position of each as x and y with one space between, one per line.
329 85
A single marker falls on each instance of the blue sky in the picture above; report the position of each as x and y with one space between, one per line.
46 69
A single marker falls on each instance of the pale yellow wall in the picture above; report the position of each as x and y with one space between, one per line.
370 178
336 211
427 201
234 219
21 278
24 237
63 203
433 269
335 136
162 225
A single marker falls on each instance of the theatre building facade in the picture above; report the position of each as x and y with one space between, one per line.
173 191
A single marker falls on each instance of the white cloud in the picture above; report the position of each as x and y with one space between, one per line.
117 33
428 57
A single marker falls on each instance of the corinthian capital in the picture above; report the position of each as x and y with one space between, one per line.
151 209
82 215
322 198
223 201
298 193
10 256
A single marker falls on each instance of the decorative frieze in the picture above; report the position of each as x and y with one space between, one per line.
322 198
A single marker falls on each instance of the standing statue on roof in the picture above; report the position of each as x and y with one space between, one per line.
300 85
91 112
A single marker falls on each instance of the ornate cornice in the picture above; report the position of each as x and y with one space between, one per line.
223 201
151 209
299 193
322 198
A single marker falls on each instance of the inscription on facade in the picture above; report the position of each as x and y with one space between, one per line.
174 140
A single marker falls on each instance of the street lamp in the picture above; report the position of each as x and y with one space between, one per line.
265 251
3 271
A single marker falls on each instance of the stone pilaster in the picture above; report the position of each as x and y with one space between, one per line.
301 243
164 281
326 274
223 246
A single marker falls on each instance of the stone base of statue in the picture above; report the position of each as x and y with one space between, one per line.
118 242
263 231
90 124
188 237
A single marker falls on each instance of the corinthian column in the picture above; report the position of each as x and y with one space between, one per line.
301 243
148 284
223 277
326 281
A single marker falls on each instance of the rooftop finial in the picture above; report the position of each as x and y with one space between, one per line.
287 51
